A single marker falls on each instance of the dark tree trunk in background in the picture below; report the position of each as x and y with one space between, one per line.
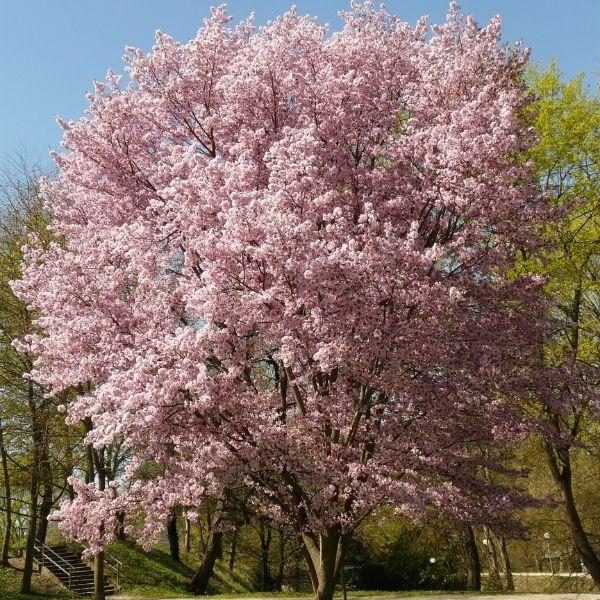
44 511
37 440
69 463
233 549
8 503
281 563
473 562
47 496
121 536
265 535
212 552
90 472
173 536
559 461
188 530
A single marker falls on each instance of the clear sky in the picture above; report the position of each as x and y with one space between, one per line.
51 50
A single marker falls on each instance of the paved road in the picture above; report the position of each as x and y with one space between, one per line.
391 596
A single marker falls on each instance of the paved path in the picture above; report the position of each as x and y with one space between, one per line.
392 596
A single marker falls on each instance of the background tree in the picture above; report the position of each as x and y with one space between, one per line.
567 162
400 555
36 444
21 208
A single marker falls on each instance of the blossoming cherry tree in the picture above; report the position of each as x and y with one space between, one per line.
282 265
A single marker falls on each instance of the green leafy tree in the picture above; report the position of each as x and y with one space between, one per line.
400 555
19 202
36 450
567 162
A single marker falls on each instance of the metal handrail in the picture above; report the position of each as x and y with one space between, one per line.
118 568
44 551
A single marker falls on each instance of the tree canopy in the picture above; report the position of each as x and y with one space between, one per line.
284 262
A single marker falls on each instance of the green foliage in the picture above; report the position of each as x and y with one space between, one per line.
397 556
567 166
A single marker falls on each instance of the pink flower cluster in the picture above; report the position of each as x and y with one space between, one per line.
281 265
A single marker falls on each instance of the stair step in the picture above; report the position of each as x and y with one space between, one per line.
72 570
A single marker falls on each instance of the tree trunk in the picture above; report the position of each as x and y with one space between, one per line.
281 564
8 504
173 536
325 556
233 549
265 546
90 472
44 511
121 536
98 457
69 462
47 496
213 550
37 435
200 581
559 462
473 562
494 580
314 581
508 576
186 539
99 576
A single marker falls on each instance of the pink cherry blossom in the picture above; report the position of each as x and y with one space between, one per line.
282 265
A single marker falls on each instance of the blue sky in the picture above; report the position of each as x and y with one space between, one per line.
52 50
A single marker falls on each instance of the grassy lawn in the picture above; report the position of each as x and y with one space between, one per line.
155 575
151 574
338 594
44 586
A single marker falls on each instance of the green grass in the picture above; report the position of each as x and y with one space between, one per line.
44 587
351 594
372 594
155 574
149 574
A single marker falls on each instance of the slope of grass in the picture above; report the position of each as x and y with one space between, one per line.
156 574
241 580
44 585
149 574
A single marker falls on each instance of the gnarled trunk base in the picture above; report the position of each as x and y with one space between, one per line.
559 462
473 562
200 581
324 556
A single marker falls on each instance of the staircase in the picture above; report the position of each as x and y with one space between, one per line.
68 567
